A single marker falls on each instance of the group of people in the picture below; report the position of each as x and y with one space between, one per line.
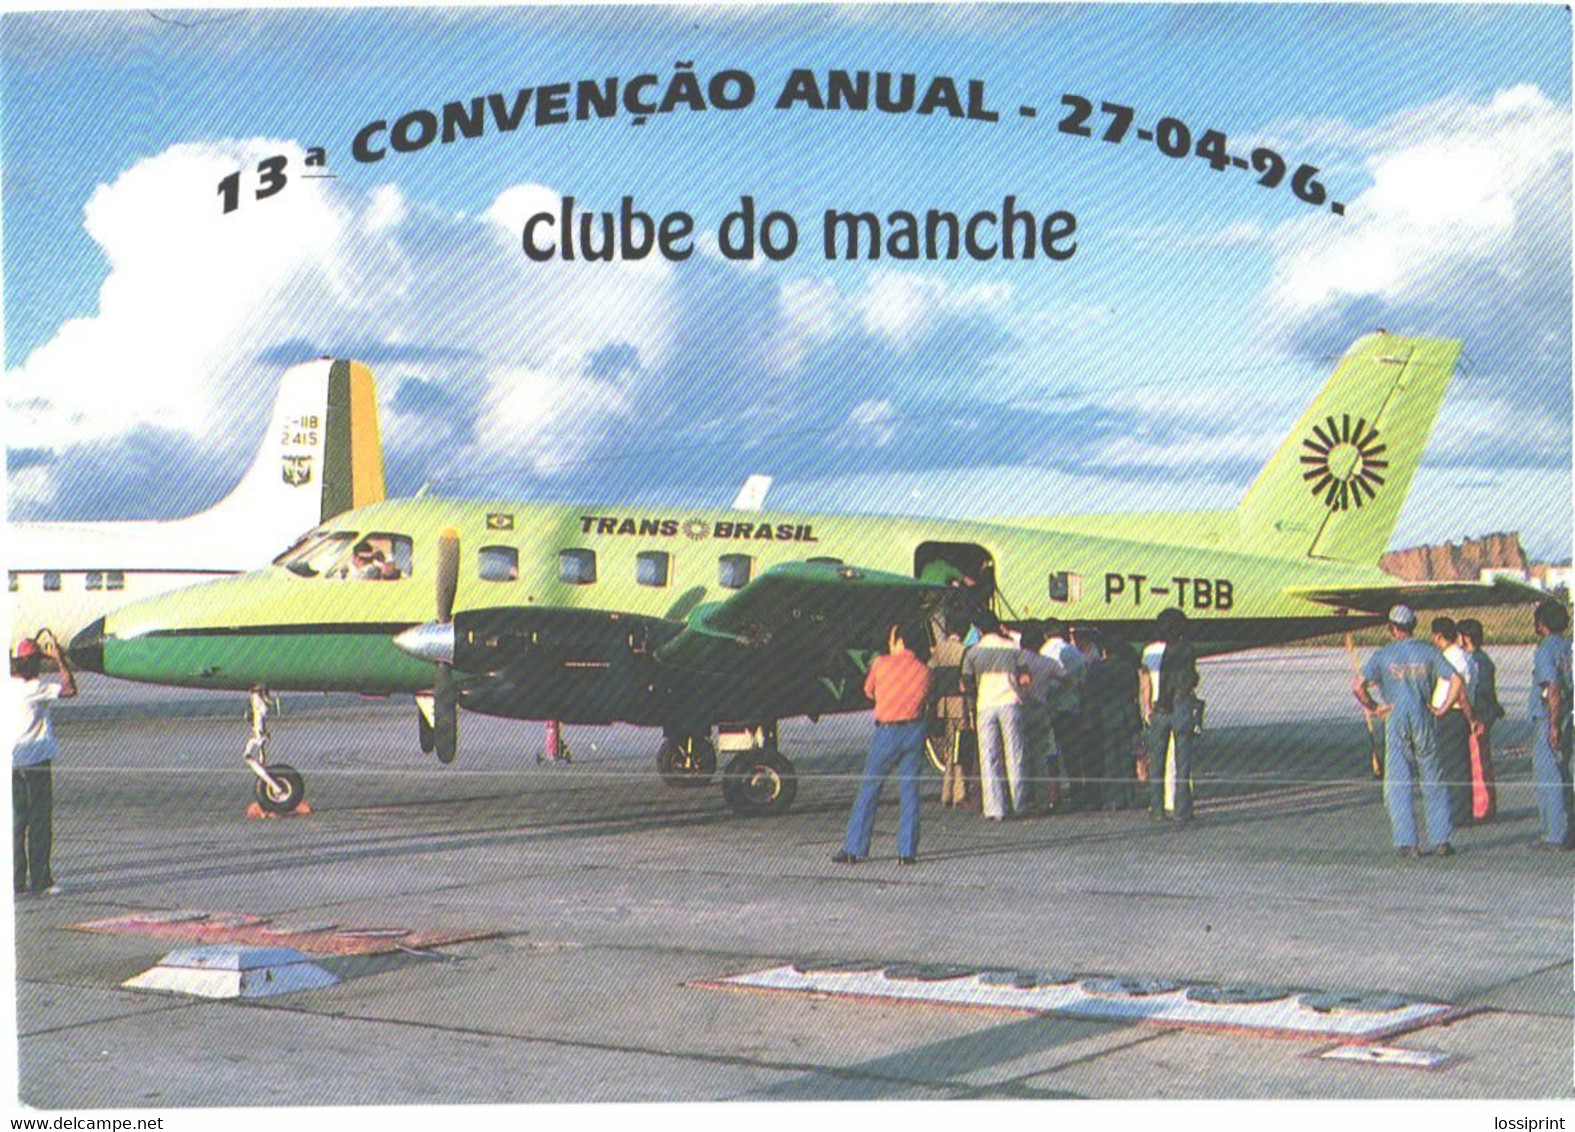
1031 721
1440 701
1044 711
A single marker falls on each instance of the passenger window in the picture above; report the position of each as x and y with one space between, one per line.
95 580
733 571
577 567
51 581
115 580
1065 587
14 581
651 567
498 564
377 557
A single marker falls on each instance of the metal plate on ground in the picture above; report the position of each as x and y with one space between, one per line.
1283 1016
1391 1055
208 971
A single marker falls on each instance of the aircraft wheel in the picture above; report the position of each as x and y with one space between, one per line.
425 734
686 762
291 790
758 783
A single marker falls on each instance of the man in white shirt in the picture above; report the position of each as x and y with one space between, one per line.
992 670
32 763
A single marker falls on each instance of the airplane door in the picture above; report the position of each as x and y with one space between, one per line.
968 566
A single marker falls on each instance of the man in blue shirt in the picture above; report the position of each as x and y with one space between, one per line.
1550 724
1407 670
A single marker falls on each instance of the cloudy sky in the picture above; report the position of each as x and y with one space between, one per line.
1159 367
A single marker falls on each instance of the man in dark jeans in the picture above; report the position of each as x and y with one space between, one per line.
32 763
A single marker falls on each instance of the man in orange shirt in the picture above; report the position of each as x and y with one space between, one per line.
899 683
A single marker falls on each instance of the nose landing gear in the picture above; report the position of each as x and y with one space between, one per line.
280 788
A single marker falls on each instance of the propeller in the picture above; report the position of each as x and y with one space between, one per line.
434 642
445 696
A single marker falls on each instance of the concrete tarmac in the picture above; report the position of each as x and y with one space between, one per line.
610 895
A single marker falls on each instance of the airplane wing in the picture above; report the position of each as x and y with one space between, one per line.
795 614
1420 595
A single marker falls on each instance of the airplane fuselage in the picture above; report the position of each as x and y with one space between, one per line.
560 609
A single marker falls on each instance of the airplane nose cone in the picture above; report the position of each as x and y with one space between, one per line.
87 648
432 642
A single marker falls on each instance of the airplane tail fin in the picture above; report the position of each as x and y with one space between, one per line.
1335 488
321 455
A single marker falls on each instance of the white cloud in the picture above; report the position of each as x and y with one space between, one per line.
182 300
874 422
1169 239
898 306
548 417
485 360
193 297
1464 230
1184 455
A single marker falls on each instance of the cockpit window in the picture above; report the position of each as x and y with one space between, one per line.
315 553
376 557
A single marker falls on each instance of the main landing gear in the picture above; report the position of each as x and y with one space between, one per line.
686 760
758 780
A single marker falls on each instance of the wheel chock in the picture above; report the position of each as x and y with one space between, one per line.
301 811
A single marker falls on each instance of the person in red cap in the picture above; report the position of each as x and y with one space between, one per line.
32 762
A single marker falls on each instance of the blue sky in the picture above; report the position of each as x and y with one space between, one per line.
1158 367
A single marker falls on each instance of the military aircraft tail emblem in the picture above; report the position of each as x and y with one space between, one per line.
297 470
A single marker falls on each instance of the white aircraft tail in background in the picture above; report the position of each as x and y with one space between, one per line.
320 456
752 496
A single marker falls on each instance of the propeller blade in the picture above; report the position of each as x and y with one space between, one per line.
447 573
445 714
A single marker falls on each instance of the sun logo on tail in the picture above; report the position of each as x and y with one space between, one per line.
1345 463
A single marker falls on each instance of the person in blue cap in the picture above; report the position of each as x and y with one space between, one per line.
1550 724
1407 671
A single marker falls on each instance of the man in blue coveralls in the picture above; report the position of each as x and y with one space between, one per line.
1550 724
1407 670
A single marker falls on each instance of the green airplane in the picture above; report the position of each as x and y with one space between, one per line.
694 620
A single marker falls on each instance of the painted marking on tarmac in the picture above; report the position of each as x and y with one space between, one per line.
243 930
1100 999
1391 1055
